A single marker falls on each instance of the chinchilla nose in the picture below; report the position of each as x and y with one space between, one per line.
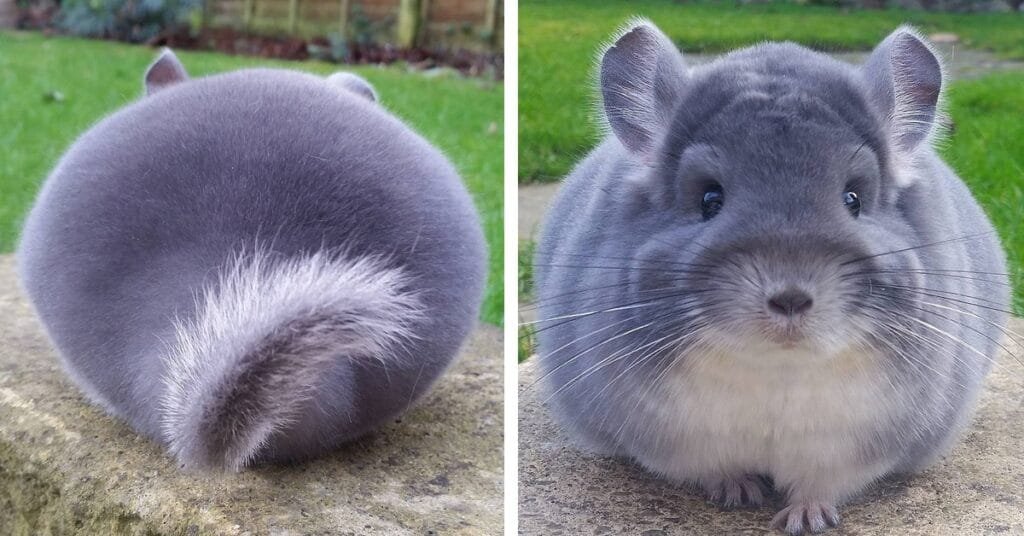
790 302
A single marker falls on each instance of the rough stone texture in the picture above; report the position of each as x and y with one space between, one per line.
66 468
977 489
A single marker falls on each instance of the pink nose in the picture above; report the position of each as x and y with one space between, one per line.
790 302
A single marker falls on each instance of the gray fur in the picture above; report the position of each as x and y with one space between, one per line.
253 266
641 73
164 72
656 340
353 83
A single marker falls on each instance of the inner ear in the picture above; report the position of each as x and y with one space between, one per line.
905 81
164 72
354 84
642 75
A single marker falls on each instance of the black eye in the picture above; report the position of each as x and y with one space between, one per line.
712 201
852 202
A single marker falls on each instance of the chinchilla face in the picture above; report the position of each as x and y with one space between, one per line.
768 201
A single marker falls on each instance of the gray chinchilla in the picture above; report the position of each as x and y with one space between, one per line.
766 271
254 266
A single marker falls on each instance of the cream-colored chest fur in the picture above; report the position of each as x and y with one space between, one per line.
780 413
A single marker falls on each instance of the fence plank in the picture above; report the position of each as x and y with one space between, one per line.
491 19
293 15
408 23
247 8
345 8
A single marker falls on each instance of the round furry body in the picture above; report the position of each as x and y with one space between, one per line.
766 271
253 266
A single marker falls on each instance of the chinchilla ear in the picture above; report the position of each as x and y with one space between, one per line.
642 74
354 84
164 72
904 78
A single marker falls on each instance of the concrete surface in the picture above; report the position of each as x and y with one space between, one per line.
534 201
961 63
66 468
978 489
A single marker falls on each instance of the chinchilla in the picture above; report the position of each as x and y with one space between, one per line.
255 266
766 272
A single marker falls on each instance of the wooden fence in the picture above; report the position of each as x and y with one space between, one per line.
473 23
8 13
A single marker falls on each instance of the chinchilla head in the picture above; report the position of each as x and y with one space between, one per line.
767 194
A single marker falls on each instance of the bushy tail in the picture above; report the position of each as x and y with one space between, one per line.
250 357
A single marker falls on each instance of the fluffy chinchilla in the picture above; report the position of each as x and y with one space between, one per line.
254 266
765 270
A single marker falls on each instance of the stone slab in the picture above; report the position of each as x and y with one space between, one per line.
67 468
978 489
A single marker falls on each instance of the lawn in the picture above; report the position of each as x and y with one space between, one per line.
52 89
987 150
559 42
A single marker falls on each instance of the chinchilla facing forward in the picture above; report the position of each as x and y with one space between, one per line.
254 266
765 274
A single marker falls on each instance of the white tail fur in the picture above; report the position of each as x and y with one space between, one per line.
280 322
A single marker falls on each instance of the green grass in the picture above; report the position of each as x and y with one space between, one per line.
527 332
558 42
987 150
527 342
527 249
526 346
461 116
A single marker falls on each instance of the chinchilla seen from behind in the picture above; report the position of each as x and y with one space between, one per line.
253 266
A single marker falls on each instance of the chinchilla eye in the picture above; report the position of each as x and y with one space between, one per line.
852 202
712 201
